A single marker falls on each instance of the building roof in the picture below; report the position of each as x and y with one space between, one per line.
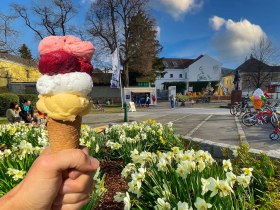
227 72
252 64
19 60
101 78
179 63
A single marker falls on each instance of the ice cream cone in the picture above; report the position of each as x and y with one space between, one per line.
64 134
258 104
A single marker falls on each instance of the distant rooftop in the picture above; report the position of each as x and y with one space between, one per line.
227 72
179 63
19 60
253 64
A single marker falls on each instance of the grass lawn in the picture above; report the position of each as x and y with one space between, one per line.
107 109
3 121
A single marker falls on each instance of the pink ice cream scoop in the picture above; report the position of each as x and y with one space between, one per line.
50 44
58 62
82 49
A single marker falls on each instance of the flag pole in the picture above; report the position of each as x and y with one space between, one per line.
121 89
120 76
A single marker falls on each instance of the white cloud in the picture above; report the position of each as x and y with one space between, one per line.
90 1
216 22
158 32
177 8
235 39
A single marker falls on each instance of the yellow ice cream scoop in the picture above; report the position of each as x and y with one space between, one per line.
64 106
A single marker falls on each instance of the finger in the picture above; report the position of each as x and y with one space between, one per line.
83 183
74 174
76 206
84 149
71 198
71 158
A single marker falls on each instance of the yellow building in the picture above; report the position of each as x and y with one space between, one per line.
17 70
227 80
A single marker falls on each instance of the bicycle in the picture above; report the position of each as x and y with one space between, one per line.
275 134
260 117
239 108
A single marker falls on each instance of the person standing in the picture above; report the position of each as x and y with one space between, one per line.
154 99
12 113
147 100
172 101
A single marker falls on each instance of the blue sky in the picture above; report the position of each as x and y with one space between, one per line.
223 29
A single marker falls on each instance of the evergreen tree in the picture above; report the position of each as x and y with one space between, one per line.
25 52
143 46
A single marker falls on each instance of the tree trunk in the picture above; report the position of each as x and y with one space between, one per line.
126 76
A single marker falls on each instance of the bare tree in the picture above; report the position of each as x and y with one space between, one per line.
7 33
258 68
53 18
108 20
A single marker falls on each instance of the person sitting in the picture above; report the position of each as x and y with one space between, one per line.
12 113
27 112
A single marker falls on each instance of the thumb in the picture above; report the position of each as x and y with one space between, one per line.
73 159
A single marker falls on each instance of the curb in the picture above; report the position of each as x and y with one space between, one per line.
216 149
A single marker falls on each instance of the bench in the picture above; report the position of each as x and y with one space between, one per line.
100 129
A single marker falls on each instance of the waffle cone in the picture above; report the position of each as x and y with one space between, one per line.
64 134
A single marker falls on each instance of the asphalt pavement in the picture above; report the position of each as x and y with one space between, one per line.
206 122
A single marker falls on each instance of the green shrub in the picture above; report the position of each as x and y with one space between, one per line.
32 97
5 100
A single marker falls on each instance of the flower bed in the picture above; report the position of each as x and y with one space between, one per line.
149 166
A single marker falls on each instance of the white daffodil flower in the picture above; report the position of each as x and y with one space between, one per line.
231 178
247 171
183 206
243 180
227 165
201 204
127 202
162 204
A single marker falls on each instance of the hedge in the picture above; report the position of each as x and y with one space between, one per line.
5 100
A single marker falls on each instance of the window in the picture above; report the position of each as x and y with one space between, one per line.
27 74
175 64
165 64
216 68
180 75
171 75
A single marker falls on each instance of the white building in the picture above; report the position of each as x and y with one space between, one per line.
192 71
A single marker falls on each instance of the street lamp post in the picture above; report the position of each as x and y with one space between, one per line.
8 76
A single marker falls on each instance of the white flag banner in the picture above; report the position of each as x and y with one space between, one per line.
115 81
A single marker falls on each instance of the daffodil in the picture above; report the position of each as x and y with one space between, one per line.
227 165
235 152
243 180
162 165
205 183
162 204
201 204
201 166
219 186
127 202
231 178
119 197
247 171
183 206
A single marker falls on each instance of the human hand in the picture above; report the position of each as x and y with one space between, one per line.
60 180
